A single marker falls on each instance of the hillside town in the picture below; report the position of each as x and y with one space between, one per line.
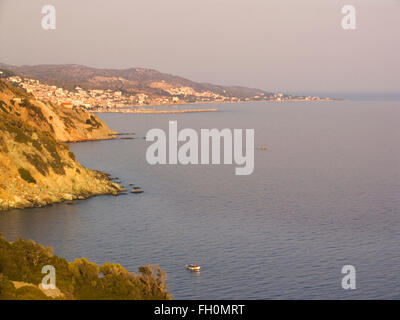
111 100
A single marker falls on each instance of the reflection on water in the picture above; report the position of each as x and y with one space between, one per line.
325 193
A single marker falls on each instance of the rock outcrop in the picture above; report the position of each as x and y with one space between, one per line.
36 167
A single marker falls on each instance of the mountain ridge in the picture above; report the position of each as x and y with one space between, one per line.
131 79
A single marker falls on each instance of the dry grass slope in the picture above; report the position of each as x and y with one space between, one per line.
36 168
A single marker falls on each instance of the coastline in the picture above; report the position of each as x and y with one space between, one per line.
132 109
98 184
153 111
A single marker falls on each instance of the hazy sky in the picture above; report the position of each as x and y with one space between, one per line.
277 45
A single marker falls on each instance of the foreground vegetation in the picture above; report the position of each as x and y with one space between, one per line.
22 261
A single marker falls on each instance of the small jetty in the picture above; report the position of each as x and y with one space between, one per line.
137 191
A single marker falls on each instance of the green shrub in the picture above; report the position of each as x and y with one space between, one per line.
51 145
30 293
23 260
3 145
71 155
3 106
38 163
94 121
7 289
37 145
17 128
68 122
26 175
33 110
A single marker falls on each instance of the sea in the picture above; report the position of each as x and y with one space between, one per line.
324 194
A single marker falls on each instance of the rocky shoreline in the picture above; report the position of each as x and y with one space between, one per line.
40 197
36 166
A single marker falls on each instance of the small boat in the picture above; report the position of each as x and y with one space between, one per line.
193 267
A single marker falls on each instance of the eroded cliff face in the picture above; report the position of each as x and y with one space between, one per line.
36 168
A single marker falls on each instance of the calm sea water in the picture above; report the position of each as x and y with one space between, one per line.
324 194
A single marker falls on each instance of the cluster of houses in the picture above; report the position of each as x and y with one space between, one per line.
88 99
98 100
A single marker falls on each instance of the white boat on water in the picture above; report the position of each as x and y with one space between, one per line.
193 267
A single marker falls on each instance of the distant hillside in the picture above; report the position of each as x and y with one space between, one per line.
131 80
36 169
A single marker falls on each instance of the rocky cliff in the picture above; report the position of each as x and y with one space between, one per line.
36 168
